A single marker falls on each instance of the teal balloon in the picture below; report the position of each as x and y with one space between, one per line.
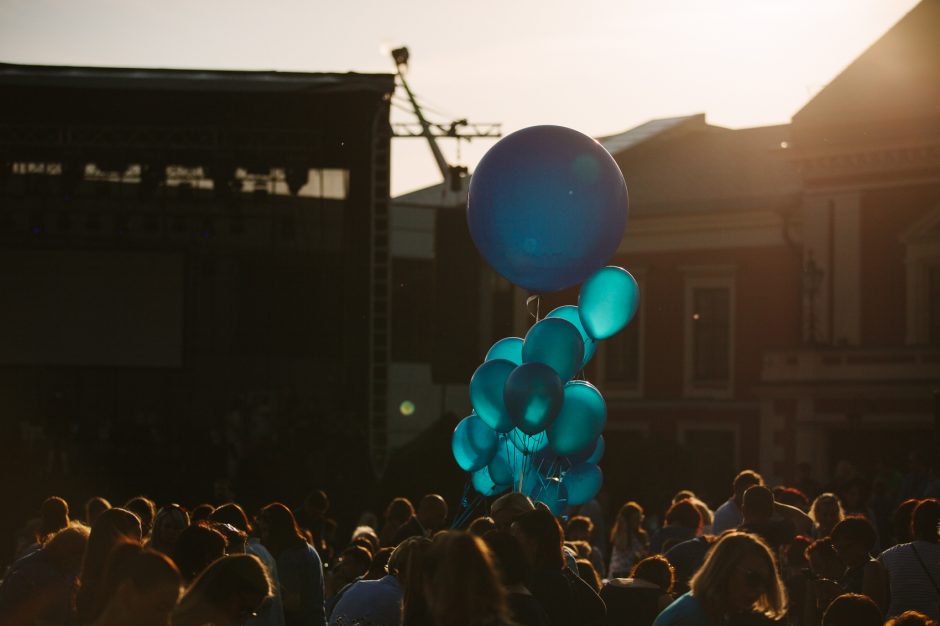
556 343
554 494
581 419
473 443
593 453
486 394
583 481
502 465
528 444
484 484
569 313
608 301
509 348
533 397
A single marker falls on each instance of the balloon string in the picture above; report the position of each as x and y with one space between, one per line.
466 513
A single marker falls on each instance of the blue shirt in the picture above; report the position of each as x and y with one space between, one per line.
301 575
685 611
373 602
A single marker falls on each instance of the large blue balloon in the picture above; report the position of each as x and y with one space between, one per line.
533 397
569 313
608 301
484 484
552 493
593 453
509 348
556 343
473 443
528 444
486 393
547 207
583 481
581 419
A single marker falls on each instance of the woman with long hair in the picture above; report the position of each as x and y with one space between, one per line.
299 568
140 586
110 528
630 543
227 593
826 511
461 585
739 576
169 522
514 571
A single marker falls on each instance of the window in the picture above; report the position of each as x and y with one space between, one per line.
619 360
709 332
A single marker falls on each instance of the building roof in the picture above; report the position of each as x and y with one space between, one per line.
190 80
615 144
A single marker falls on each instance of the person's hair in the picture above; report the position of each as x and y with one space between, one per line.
760 500
822 499
407 565
796 551
911 618
708 517
745 479
683 494
232 575
145 509
588 574
710 583
231 513
581 549
130 562
197 547
170 511
318 501
201 512
236 540
461 584
852 609
399 510
365 536
66 548
580 523
791 496
684 513
856 530
657 570
94 507
901 520
542 527
924 520
111 527
379 567
358 558
481 525
283 533
53 516
508 556
625 533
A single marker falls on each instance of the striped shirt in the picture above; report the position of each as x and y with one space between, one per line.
911 589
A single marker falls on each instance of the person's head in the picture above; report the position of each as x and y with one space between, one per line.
112 527
432 512
379 567
481 525
169 522
708 517
407 565
201 513
198 546
757 505
581 549
236 540
683 494
508 557
144 508
588 574
140 586
924 520
740 574
461 585
852 539
365 536
852 609
657 570
796 551
826 511
627 525
53 516
353 562
94 507
743 481
508 507
66 548
911 618
399 511
231 513
792 496
685 514
901 520
279 529
317 503
539 534
823 560
228 592
579 528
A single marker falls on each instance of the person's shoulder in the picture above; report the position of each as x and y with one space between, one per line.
684 611
893 552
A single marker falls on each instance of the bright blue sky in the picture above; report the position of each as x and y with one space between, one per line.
600 66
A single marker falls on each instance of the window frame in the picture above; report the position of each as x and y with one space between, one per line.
707 277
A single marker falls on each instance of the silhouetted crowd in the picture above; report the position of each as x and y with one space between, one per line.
851 553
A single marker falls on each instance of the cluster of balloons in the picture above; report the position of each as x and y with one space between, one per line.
547 209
